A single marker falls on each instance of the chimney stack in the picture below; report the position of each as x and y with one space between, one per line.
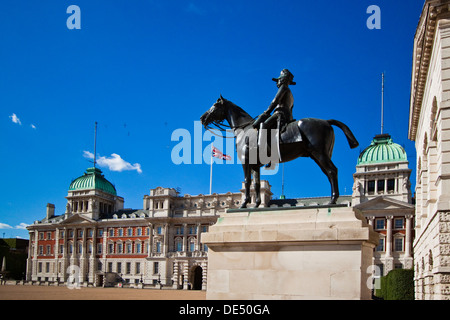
50 210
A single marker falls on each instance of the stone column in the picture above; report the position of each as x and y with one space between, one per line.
185 237
166 239
56 252
186 275
198 236
408 236
389 236
150 240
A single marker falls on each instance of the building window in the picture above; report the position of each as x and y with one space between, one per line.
159 230
90 233
70 248
398 244
138 268
179 230
155 267
379 224
111 248
119 267
138 248
192 229
120 232
110 265
129 248
48 250
128 268
371 186
49 235
80 248
380 246
47 267
80 233
158 246
119 248
71 234
380 186
61 248
40 267
129 231
99 266
100 232
178 245
391 185
41 250
90 247
111 232
204 228
41 236
139 231
99 248
398 223
192 245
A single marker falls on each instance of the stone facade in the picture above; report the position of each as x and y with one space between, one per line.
429 127
382 193
159 245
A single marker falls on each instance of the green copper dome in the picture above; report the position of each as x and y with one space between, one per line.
93 179
381 150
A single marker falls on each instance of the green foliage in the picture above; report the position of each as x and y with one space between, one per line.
398 284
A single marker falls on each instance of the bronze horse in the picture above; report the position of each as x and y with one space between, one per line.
315 140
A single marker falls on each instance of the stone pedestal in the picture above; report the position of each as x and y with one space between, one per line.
290 253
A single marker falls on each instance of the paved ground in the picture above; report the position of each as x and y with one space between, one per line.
11 292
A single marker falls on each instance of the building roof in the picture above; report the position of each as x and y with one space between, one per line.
381 150
93 179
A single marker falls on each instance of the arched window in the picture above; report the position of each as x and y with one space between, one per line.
178 245
191 244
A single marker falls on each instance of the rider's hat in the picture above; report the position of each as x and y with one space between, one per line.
285 73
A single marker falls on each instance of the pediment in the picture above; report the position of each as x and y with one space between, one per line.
383 203
77 219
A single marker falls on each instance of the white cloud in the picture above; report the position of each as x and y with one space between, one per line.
33 126
114 163
21 226
88 155
15 119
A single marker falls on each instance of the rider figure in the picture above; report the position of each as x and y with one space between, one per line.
282 104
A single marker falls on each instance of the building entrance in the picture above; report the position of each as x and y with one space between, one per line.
198 278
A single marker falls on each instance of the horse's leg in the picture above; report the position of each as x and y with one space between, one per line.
330 170
247 184
256 179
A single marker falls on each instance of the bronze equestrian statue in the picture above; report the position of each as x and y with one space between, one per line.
307 137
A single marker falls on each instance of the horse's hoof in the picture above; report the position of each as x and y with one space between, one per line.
244 206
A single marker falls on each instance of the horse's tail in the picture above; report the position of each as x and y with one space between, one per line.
353 143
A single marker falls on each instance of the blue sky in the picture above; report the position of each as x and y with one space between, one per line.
143 69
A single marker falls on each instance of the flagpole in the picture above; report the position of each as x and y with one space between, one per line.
210 174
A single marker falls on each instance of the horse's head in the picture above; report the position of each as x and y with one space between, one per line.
216 114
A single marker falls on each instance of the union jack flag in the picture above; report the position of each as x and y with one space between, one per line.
218 154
